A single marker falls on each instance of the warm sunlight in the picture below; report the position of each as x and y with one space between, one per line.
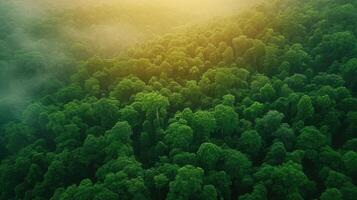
178 99
189 6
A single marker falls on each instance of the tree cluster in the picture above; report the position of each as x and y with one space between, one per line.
258 106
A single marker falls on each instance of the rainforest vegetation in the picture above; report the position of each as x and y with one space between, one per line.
146 101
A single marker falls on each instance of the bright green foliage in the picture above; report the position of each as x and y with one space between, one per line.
121 132
187 184
179 135
126 88
203 123
305 110
267 92
282 180
106 111
226 119
236 164
130 115
209 192
221 181
254 111
250 142
310 138
259 192
208 155
254 105
154 104
269 123
349 72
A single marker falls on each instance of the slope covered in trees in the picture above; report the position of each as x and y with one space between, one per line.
41 41
261 105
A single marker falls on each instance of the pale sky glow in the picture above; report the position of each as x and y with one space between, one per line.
203 7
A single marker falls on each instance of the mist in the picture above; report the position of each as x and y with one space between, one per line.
42 40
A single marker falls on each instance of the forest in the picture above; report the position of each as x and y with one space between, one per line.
178 100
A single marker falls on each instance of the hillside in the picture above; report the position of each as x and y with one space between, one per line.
43 41
255 105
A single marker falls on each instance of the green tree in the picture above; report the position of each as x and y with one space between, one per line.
267 93
282 180
350 161
106 111
276 154
187 183
226 119
209 192
259 192
203 124
349 71
269 123
310 139
236 164
154 104
305 108
126 88
208 155
250 142
331 193
179 135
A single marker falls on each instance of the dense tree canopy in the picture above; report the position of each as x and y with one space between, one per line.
259 105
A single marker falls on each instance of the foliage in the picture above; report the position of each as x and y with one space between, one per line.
261 105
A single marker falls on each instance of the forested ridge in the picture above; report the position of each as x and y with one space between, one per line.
261 105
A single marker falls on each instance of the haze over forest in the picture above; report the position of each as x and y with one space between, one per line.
178 99
63 32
